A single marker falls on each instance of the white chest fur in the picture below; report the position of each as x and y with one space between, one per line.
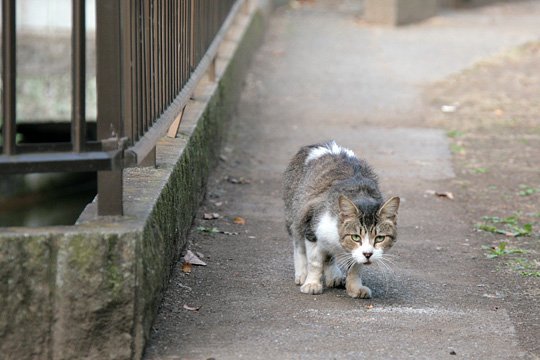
327 234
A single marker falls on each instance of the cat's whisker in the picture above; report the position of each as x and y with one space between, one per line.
344 261
387 271
386 264
380 266
389 258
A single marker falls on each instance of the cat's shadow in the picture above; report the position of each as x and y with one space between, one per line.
384 286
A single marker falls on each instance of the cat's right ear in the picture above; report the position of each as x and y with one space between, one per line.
389 209
347 209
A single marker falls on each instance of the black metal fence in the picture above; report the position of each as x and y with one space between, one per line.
150 54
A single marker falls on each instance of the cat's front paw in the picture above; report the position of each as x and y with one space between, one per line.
312 288
359 291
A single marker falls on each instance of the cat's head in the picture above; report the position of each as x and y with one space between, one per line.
366 234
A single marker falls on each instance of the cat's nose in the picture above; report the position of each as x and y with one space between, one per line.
367 254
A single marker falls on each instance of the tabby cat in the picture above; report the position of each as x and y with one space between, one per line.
336 218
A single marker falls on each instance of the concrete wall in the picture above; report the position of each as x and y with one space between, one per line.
399 12
92 290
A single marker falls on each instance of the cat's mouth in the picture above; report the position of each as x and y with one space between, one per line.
368 262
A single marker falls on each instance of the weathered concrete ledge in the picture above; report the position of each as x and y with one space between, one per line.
92 290
399 12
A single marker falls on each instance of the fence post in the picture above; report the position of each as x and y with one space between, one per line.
78 74
110 100
9 73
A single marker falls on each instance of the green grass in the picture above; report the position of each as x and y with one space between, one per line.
510 226
480 170
524 267
527 190
501 250
204 229
454 134
457 149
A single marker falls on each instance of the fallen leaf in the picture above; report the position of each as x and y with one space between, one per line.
444 194
214 230
211 216
186 268
204 229
191 308
240 180
191 258
239 220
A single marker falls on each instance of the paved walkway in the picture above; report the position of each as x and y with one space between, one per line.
323 74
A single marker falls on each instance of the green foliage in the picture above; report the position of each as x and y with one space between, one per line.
454 134
530 273
511 227
500 250
480 170
204 229
457 149
527 190
525 267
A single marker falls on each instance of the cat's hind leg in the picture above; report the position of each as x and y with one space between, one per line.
354 285
315 259
333 275
300 261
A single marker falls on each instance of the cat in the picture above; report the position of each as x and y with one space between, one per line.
336 218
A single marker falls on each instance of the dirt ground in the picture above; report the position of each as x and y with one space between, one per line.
494 123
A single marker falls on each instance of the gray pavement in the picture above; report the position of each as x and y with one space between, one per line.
324 74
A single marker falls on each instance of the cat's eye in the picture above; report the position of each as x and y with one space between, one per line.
380 238
355 237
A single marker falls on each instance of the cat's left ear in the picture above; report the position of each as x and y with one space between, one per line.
347 209
389 209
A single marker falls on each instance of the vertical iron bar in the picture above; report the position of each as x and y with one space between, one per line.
9 74
167 41
192 37
139 71
152 51
109 99
158 55
134 14
147 96
170 47
176 63
78 76
126 42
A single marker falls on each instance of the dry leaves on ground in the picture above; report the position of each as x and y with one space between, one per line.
211 216
191 258
191 308
239 220
442 194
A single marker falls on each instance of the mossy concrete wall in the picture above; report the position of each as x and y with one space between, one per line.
92 290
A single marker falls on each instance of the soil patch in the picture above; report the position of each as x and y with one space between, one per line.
492 114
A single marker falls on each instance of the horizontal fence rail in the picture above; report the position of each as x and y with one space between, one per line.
150 54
